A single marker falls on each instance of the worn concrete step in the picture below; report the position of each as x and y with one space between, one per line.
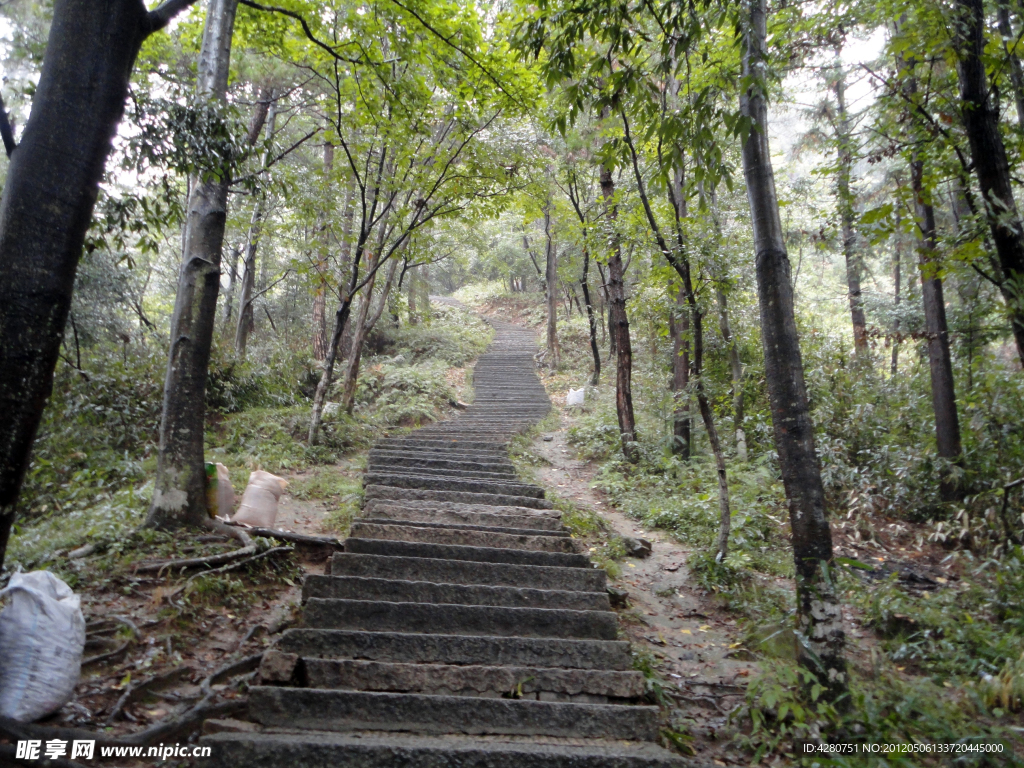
499 458
396 466
481 447
393 548
469 572
499 467
464 537
373 616
538 684
317 749
419 713
398 591
449 483
460 497
516 523
463 527
539 515
410 648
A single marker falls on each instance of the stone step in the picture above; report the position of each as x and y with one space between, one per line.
538 684
390 548
449 483
456 508
418 713
315 749
371 616
454 454
404 647
399 467
460 497
469 572
482 447
464 537
396 513
463 527
505 467
397 591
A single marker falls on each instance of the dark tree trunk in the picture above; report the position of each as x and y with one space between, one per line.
846 215
47 204
947 421
179 498
819 615
981 121
320 339
551 282
619 328
679 328
591 320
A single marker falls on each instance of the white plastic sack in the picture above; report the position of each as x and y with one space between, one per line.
220 494
42 636
575 396
259 502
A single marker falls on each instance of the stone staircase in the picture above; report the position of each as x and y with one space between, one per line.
462 627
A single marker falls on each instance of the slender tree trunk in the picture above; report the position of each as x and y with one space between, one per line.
246 314
947 421
345 259
846 215
1016 73
551 280
229 294
179 497
47 205
365 320
619 328
591 320
679 327
736 369
320 339
819 615
607 326
897 277
981 122
351 378
413 312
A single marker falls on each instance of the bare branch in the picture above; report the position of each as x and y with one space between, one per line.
161 16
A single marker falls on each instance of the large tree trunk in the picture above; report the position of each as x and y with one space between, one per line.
320 339
246 311
846 216
47 204
619 328
819 615
591 319
947 421
679 328
981 121
551 282
179 497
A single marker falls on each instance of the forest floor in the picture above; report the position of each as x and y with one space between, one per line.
696 648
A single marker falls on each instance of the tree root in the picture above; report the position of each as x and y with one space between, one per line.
226 568
186 722
132 692
109 655
294 538
193 562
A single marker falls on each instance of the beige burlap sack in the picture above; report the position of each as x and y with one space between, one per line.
259 502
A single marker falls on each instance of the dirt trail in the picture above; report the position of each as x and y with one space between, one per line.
701 662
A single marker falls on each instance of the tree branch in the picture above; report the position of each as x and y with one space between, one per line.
5 130
305 28
161 16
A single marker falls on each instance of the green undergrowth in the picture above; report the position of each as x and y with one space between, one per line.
91 475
